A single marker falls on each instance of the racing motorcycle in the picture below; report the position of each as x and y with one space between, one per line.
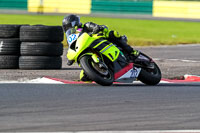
105 63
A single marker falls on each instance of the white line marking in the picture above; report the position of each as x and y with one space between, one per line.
152 131
34 81
182 60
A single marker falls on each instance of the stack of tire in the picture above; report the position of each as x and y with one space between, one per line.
9 46
41 47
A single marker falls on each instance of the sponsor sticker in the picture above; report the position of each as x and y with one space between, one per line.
72 38
135 72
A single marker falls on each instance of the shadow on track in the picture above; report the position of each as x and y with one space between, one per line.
71 69
197 84
194 84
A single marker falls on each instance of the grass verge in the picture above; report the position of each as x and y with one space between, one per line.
139 32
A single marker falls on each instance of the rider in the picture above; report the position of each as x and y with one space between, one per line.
72 21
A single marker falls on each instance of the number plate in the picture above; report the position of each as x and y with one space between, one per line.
72 38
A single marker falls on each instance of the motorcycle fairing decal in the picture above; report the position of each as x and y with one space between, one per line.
111 51
124 70
128 72
72 38
83 42
106 48
98 43
102 45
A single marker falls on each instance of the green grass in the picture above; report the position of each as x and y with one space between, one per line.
139 32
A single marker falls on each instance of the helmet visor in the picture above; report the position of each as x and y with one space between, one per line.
70 25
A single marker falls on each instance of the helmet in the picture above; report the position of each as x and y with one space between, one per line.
71 21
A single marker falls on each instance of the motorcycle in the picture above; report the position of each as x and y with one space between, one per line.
105 63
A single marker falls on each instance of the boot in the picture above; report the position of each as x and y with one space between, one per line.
84 77
139 59
133 55
70 62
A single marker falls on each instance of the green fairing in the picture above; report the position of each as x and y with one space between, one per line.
84 41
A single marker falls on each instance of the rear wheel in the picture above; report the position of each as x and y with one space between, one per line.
150 76
101 75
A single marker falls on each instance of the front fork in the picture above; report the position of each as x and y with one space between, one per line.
97 60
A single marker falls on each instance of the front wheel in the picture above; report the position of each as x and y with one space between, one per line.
150 76
101 76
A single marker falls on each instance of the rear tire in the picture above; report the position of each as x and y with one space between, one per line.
150 77
86 64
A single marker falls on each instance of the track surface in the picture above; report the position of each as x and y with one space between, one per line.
34 107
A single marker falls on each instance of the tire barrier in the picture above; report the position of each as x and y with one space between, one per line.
31 47
41 47
9 31
9 61
41 33
9 46
40 62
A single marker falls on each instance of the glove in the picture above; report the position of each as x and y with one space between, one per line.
124 38
96 29
99 28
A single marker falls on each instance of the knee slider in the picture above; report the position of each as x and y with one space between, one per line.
116 34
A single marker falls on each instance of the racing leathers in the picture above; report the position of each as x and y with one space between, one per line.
111 35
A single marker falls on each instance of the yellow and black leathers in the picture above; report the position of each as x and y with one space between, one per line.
111 35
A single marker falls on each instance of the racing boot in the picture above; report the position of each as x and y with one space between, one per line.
134 55
84 77
140 59
69 62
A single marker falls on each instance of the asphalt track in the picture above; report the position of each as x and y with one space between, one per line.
90 107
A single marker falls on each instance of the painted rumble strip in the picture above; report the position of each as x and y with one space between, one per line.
187 79
51 80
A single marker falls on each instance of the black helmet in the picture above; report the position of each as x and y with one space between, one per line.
70 21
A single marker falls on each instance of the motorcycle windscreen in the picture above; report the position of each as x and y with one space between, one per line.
72 35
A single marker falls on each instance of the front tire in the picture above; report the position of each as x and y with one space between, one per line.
150 76
88 67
